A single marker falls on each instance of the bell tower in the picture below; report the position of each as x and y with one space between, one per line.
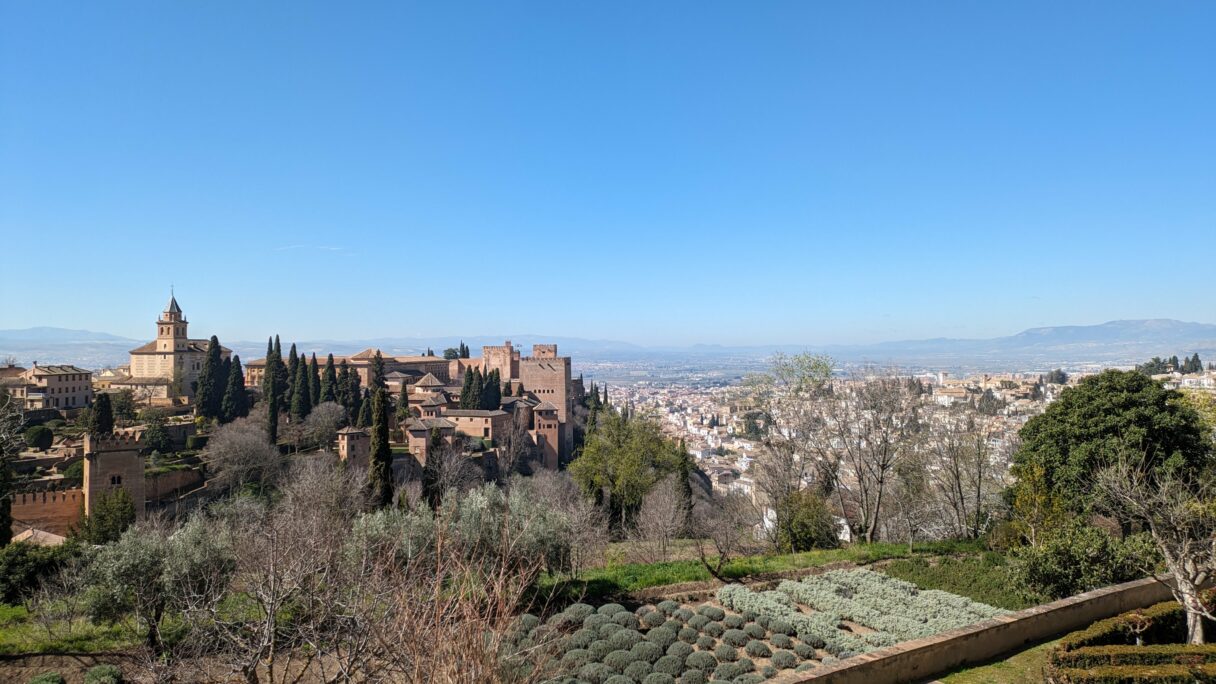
171 329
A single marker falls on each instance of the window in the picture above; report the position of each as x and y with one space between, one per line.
116 480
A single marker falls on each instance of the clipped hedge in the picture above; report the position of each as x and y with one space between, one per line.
1137 674
1156 654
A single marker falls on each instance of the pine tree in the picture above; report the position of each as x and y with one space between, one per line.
102 417
376 380
314 381
365 412
236 402
380 474
329 379
301 401
210 382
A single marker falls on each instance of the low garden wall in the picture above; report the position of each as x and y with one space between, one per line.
921 659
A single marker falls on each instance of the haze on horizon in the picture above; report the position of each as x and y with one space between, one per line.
663 175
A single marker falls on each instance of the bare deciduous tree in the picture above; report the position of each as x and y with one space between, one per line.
660 520
724 527
240 453
321 425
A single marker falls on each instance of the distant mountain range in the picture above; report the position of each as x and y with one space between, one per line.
1072 347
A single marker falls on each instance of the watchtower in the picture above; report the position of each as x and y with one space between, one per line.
113 461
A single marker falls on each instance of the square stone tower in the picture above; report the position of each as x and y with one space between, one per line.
113 462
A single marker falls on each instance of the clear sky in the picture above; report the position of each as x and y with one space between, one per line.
656 172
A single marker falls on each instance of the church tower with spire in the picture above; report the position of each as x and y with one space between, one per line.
171 329
167 368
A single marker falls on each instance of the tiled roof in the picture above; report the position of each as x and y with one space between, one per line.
57 370
475 413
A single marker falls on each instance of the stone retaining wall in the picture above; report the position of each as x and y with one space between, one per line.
921 659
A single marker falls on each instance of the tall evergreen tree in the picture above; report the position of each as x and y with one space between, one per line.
376 380
280 372
293 373
236 401
365 412
380 474
301 398
342 388
684 471
101 419
466 390
268 369
355 389
476 387
403 404
491 391
210 382
272 417
329 378
314 381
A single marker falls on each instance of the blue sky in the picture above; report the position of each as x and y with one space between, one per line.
661 173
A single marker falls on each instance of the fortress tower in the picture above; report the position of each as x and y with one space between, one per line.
113 462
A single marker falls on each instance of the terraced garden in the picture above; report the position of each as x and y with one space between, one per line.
744 636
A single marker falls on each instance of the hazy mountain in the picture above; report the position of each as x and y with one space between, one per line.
1074 346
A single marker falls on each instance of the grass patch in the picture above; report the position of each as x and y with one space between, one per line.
984 578
19 635
1023 667
617 579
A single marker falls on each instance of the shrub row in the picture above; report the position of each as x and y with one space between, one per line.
1136 674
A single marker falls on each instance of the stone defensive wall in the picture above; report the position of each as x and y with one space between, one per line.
922 659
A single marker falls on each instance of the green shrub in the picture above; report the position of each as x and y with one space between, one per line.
669 665
668 607
529 622
726 671
579 611
595 673
706 642
48 678
1078 557
653 619
600 648
688 635
608 629
196 442
637 670
712 612
749 678
697 622
726 653
103 674
618 660
811 639
610 609
784 660
581 638
23 566
679 649
1157 654
1138 674
624 638
768 671
674 625
735 637
733 621
780 626
781 641
627 620
683 614
985 578
576 658
647 651
700 661
619 679
804 522
804 651
659 678
758 649
746 665
806 666
755 631
595 621
692 677
662 636
714 629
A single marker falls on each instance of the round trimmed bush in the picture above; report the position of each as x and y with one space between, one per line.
581 638
654 619
669 665
714 629
692 677
726 653
576 658
780 626
706 642
103 674
755 631
763 620
595 621
811 639
637 670
809 665
627 620
618 660
662 636
679 649
596 673
600 648
659 678
625 638
726 671
610 609
784 660
750 615
758 649
746 665
768 671
608 629
749 678
688 635
674 625
578 612
804 651
642 610
647 651
700 660
828 660
781 641
668 607
845 654
735 637
697 621
733 621
529 622
560 621
712 612
619 679
683 614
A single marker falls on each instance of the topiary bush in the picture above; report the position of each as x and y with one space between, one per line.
618 660
646 651
679 649
637 670
579 611
706 642
608 629
688 635
595 621
662 636
692 677
575 658
712 612
714 629
103 674
697 622
610 609
726 653
600 648
668 607
595 673
700 660
768 671
746 665
669 665
804 651
653 619
674 625
726 672
758 649
784 660
735 637
659 678
627 620
625 638
581 638
755 631
733 621
781 641
683 614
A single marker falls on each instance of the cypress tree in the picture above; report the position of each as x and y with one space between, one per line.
376 380
491 391
314 381
342 389
236 402
293 373
403 404
356 392
381 471
102 417
301 402
210 383
281 378
684 472
476 387
466 390
268 369
365 413
506 388
272 418
328 379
